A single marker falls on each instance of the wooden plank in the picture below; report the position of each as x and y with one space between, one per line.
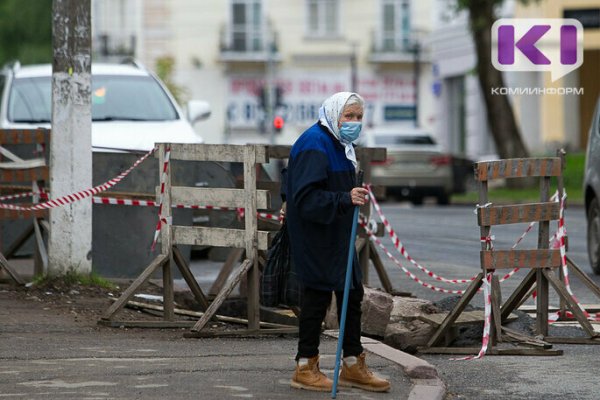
583 277
24 164
517 168
146 324
234 280
502 259
457 310
189 278
220 237
572 340
512 214
252 238
380 269
233 258
198 314
542 290
217 197
24 175
166 235
215 152
465 318
517 351
515 336
6 214
592 308
10 271
24 136
41 255
496 300
242 332
562 291
140 280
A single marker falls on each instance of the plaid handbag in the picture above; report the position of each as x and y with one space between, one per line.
279 283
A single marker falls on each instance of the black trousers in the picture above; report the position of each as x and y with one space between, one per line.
312 314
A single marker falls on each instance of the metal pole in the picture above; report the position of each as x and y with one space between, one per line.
417 72
270 89
340 344
353 70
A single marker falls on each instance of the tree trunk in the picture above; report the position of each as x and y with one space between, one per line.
500 116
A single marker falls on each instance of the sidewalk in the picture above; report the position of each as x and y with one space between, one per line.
46 353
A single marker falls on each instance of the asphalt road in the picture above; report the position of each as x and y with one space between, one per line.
446 241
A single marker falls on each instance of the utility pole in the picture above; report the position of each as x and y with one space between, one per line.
70 241
270 88
417 72
353 69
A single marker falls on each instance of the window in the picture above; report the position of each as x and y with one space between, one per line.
322 18
395 26
246 25
124 98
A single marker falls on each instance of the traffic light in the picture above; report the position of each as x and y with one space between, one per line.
278 123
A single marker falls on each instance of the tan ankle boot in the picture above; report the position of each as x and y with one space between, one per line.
310 377
358 375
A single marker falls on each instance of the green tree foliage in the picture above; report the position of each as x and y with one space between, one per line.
26 31
164 69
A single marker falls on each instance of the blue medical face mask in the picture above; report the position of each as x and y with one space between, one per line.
350 131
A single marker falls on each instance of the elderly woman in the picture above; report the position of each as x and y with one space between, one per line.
321 193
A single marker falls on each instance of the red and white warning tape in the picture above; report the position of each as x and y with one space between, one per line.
400 247
563 257
163 178
487 321
406 271
70 198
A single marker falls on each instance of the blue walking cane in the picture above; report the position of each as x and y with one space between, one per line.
346 293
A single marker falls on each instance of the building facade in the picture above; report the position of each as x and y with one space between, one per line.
257 59
547 121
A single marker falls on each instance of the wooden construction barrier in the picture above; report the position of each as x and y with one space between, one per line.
250 239
21 176
542 262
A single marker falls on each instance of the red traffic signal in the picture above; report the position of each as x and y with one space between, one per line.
278 123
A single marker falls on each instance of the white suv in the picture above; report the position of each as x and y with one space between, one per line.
131 111
131 108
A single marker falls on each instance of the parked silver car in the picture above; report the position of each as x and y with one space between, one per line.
591 191
416 166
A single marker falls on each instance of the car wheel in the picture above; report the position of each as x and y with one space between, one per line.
417 200
443 199
593 235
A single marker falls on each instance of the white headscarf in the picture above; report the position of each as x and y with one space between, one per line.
329 116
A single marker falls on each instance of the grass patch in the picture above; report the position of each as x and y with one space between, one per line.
572 178
72 278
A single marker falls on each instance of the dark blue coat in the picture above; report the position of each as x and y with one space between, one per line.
319 209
